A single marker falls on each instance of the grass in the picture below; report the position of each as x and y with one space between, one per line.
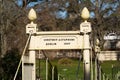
70 71
107 67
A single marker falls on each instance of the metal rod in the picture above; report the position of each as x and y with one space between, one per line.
47 69
91 65
53 73
78 67
95 67
39 64
22 57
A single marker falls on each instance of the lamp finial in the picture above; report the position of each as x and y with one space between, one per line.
85 13
32 14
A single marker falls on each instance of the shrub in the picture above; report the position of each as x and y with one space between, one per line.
65 61
9 64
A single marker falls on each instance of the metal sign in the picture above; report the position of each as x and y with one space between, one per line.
31 28
85 27
44 42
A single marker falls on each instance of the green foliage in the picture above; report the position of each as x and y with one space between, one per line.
65 61
9 64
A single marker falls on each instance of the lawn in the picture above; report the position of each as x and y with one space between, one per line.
69 71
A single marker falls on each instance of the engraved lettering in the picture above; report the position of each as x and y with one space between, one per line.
66 43
50 43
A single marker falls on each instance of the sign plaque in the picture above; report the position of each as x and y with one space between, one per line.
85 27
56 42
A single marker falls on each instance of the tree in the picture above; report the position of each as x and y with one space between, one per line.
101 9
13 20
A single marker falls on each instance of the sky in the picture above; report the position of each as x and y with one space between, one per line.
31 4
